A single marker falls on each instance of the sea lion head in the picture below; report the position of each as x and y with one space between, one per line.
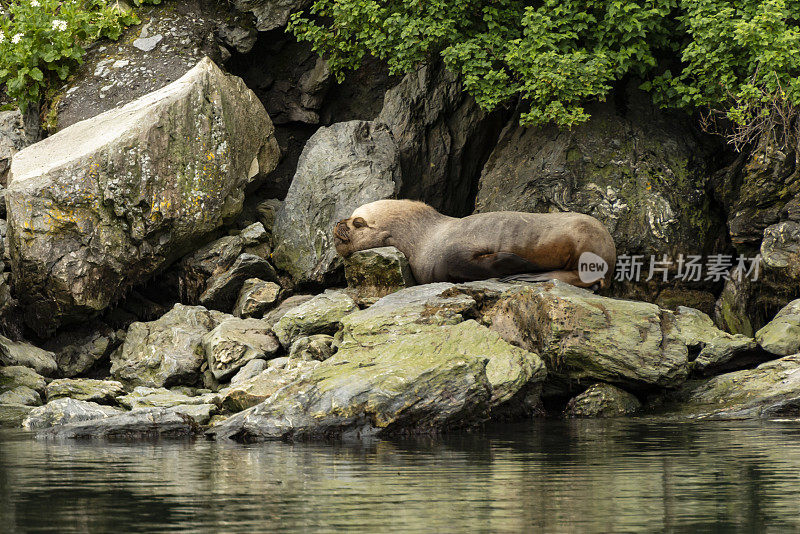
360 231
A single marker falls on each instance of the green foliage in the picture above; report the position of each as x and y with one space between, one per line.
557 55
43 40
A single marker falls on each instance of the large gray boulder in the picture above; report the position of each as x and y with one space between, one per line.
85 389
781 336
16 375
21 353
165 352
342 167
444 137
104 204
585 338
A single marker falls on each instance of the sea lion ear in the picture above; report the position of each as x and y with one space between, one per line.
359 222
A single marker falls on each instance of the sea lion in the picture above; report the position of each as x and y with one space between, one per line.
501 244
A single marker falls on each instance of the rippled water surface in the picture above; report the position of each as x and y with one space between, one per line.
553 476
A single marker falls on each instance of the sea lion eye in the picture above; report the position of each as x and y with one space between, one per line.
359 222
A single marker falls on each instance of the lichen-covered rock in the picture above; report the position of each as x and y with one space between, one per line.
144 423
81 347
320 315
781 336
224 287
711 350
65 410
341 167
85 389
108 202
256 298
444 137
249 370
584 337
640 171
770 390
18 375
144 397
21 353
283 308
21 395
428 379
602 400
376 272
234 342
259 388
318 347
168 351
172 37
732 309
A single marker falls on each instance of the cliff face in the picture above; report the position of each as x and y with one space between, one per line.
174 230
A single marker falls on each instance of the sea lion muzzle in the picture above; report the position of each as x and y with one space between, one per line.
342 232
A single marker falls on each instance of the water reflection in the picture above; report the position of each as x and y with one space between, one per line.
554 476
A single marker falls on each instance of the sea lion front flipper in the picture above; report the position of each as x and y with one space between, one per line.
492 265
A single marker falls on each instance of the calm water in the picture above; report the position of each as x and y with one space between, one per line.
553 476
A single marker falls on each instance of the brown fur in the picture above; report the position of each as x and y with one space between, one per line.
485 245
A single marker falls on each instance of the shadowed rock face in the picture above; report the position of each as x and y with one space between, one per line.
108 202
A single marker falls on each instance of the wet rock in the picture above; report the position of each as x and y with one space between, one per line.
342 167
711 350
165 352
144 423
223 288
376 272
17 375
781 336
234 342
171 39
584 337
248 371
136 199
12 415
320 315
770 390
80 348
256 298
144 397
443 136
429 379
603 400
642 172
64 411
85 389
21 353
21 395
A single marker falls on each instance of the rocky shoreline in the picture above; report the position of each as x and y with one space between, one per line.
168 266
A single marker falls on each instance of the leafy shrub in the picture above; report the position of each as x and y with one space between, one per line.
44 39
738 57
